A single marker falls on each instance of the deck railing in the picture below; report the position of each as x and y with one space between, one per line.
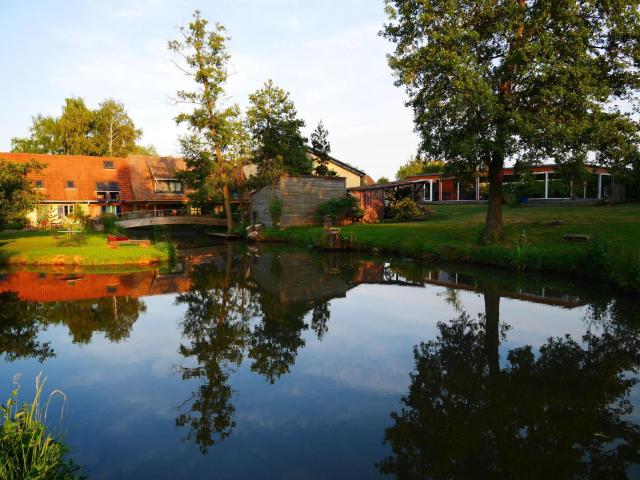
170 212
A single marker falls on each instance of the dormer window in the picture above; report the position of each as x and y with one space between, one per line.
168 186
108 164
70 184
108 191
38 183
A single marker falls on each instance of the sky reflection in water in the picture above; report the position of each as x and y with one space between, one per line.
289 364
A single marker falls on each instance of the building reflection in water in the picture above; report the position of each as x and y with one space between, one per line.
466 411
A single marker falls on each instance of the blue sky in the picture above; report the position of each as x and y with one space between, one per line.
326 53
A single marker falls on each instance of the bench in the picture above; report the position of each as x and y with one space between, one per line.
114 241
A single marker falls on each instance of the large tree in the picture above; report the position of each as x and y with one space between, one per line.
491 80
17 193
203 57
273 121
106 131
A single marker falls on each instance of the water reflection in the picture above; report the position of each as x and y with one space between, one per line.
476 406
559 413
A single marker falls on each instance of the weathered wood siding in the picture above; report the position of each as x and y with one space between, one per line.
371 202
300 196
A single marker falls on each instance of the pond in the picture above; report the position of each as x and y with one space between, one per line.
283 363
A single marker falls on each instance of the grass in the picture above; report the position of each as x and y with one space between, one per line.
40 248
533 239
27 449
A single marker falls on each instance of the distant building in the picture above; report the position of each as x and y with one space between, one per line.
428 188
354 177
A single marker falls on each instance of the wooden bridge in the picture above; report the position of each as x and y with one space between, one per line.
147 218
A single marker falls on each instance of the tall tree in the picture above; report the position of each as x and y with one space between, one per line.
204 57
524 79
17 193
43 137
106 131
75 128
275 127
115 133
322 148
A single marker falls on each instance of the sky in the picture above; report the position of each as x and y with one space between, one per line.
326 53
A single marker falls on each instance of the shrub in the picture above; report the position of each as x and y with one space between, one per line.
27 450
109 222
275 209
405 209
339 209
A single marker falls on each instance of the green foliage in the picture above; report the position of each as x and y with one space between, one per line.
405 209
106 131
489 81
417 166
382 181
217 145
109 220
17 193
339 209
274 125
275 209
27 450
322 148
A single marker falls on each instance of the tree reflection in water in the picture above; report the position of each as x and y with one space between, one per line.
21 322
229 317
558 414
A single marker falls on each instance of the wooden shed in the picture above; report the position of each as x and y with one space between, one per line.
300 196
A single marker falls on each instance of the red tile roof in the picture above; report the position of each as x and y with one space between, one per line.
144 170
134 176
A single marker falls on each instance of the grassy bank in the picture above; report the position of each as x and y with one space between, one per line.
41 248
534 240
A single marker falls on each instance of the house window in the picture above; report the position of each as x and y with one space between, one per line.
112 288
108 191
38 183
108 164
65 211
168 186
111 209
70 184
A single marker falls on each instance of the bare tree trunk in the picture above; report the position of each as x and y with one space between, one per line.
227 206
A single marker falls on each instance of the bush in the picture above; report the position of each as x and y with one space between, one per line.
339 210
405 209
110 227
27 450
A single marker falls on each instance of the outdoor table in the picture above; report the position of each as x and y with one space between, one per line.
71 237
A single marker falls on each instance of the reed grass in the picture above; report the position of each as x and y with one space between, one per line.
27 449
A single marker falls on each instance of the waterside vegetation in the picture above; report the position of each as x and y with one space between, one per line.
43 248
534 240
27 448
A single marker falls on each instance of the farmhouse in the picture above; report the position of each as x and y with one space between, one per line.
100 185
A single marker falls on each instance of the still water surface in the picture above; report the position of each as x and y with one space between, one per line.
281 363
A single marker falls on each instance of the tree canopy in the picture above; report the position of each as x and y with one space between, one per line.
203 57
322 147
518 79
105 131
273 122
17 193
417 166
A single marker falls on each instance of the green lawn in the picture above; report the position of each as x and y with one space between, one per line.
40 248
533 239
